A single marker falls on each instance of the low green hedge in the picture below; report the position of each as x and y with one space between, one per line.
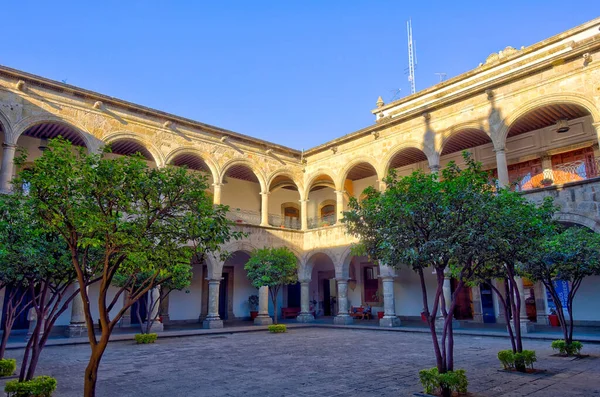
518 361
40 386
277 328
433 381
7 366
146 338
568 349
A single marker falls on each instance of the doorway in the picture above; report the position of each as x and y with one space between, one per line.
140 305
487 304
326 298
21 321
293 295
223 298
464 302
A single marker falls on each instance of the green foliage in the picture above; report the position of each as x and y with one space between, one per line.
145 338
40 386
518 361
432 380
7 366
574 348
277 328
272 267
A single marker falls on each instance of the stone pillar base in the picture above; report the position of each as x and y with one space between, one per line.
389 321
76 330
157 326
343 320
439 323
478 318
211 323
305 318
526 326
263 320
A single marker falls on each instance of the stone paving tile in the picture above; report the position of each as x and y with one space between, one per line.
310 362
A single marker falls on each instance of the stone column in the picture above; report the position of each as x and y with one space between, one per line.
445 299
343 318
77 326
305 315
154 299
304 214
212 319
339 206
541 303
477 309
263 317
126 318
434 168
526 325
389 306
6 173
596 128
163 310
502 167
264 209
217 193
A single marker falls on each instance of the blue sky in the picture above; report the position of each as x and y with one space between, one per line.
297 73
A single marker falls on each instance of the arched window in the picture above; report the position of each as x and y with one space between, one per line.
328 210
291 215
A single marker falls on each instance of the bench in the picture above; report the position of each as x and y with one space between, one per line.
290 312
359 312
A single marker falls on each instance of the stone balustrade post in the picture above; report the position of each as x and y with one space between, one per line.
263 317
212 319
343 317
305 315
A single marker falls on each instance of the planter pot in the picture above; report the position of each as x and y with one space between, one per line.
380 315
253 315
553 319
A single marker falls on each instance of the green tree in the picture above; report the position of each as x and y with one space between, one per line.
36 262
273 268
420 221
143 221
570 255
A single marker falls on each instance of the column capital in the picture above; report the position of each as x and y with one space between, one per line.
342 280
217 184
500 150
434 167
387 277
265 193
304 280
214 280
596 125
9 145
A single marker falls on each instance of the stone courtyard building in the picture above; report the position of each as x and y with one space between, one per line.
529 115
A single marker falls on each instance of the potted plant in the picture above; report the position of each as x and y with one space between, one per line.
546 182
553 318
253 301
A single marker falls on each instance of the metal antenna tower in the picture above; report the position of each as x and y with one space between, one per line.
411 57
442 76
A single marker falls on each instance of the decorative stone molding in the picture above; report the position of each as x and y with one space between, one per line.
375 134
20 85
334 149
380 102
426 116
490 94
587 58
167 124
224 139
98 105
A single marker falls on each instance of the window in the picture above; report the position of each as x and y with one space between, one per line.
327 210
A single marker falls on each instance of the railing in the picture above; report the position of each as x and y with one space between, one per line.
314 223
285 223
244 216
573 171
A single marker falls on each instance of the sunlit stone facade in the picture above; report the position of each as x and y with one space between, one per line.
509 112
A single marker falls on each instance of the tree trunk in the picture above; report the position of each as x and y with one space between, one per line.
91 371
506 313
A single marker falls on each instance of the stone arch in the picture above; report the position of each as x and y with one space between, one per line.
306 266
571 217
169 158
90 142
343 173
343 269
553 99
408 145
287 173
154 152
6 128
456 130
313 178
246 163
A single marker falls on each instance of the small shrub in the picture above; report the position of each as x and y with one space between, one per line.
568 349
8 366
432 380
507 358
518 361
277 328
145 338
40 386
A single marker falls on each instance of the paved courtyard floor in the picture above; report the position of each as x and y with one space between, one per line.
310 362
